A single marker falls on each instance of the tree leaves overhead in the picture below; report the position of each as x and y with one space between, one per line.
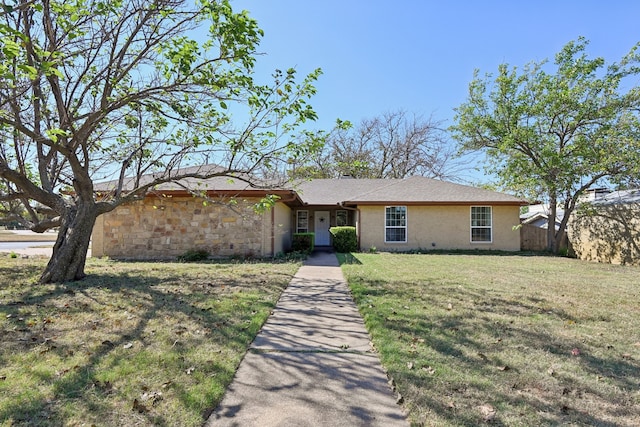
94 90
551 131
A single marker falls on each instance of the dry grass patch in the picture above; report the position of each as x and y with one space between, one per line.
505 340
133 344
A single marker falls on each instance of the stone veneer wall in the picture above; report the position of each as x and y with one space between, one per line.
167 227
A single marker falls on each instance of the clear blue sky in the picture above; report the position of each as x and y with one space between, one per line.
419 55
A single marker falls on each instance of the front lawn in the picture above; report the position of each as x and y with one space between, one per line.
132 344
504 340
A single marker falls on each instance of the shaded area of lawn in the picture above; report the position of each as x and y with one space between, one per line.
133 344
519 340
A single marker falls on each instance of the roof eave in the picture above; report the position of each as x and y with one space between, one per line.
285 195
436 203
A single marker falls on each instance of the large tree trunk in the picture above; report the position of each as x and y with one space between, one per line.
70 250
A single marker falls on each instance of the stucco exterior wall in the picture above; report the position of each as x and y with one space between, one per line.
281 230
439 227
165 228
608 234
97 238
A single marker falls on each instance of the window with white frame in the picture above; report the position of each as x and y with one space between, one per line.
395 226
342 218
481 224
302 221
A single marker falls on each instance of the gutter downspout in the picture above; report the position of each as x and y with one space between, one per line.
357 210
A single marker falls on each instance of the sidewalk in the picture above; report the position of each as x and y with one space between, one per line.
311 364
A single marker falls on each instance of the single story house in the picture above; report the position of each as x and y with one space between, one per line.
389 214
607 228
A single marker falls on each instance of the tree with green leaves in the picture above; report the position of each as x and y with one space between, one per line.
552 132
95 89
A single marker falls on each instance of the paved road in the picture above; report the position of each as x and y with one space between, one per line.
10 246
29 248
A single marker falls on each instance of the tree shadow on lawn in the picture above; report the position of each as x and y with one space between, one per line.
513 354
125 309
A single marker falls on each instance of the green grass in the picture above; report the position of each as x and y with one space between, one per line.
505 340
132 344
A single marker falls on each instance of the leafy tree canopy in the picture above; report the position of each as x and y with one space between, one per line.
551 132
92 89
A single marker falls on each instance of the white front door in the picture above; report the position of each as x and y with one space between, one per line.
322 223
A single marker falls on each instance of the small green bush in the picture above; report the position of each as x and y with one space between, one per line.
345 239
194 255
303 242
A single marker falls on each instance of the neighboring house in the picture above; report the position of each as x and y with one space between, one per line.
390 215
607 228
538 216
534 226
535 223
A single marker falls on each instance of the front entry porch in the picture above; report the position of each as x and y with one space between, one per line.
322 223
320 220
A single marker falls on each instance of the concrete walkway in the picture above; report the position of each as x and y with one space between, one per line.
311 364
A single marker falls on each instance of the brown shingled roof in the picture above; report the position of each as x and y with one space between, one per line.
334 191
413 190
331 192
217 183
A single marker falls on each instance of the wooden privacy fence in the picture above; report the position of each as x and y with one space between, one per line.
533 238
